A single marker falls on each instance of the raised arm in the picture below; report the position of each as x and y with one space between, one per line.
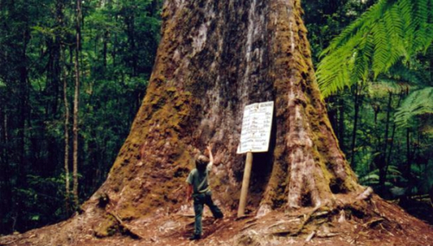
209 148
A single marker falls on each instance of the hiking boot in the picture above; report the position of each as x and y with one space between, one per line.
220 216
195 237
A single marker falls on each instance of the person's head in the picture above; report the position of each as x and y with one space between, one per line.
201 162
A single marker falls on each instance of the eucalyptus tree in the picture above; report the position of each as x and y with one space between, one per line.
214 58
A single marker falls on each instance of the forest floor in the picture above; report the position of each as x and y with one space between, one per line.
389 225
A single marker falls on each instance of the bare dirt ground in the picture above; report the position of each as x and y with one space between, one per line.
386 224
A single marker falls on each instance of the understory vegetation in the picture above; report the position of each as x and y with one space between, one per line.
39 57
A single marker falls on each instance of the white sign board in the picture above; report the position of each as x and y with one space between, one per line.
256 127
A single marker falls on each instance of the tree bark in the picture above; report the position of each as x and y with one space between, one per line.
355 124
66 137
214 59
23 114
383 166
5 187
388 160
60 5
407 172
75 127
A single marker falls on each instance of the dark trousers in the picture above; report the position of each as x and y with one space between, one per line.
199 201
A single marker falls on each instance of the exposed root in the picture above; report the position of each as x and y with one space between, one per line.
310 236
366 194
361 208
104 202
11 242
125 227
307 219
373 222
263 210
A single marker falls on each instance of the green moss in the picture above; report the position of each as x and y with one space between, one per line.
127 212
107 227
170 114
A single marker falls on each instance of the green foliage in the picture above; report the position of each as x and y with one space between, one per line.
37 40
325 19
418 103
390 44
416 75
383 87
388 32
372 178
423 174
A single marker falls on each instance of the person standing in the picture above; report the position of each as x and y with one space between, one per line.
198 189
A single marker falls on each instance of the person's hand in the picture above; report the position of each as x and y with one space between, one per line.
188 199
209 148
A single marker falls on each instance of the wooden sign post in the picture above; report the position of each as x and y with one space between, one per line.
245 184
255 135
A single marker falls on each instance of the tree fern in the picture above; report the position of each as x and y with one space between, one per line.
419 102
372 177
389 31
416 83
382 87
409 77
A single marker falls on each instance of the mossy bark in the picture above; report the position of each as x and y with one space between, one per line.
214 58
308 160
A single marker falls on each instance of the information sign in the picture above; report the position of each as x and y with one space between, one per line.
256 127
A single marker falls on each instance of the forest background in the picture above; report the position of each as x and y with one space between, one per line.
73 74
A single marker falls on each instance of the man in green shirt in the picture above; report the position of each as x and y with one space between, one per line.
199 190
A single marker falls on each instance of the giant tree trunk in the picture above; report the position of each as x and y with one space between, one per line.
214 58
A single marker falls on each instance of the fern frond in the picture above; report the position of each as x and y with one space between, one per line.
382 87
391 30
417 103
409 77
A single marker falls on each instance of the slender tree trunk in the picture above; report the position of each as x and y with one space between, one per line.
409 157
388 117
63 78
5 187
130 31
76 102
21 125
333 113
390 151
355 123
383 152
115 44
66 138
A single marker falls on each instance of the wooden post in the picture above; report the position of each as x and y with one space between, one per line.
245 184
